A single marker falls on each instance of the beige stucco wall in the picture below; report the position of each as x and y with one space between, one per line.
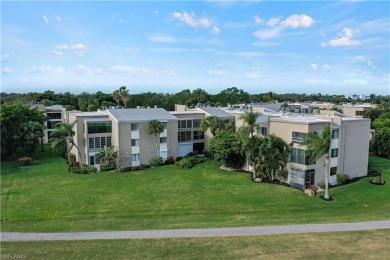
354 147
351 110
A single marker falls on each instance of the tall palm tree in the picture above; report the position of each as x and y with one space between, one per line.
247 131
213 123
155 128
63 134
275 152
199 95
124 95
108 156
319 146
251 148
116 96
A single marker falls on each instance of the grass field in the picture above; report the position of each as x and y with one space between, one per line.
46 198
371 244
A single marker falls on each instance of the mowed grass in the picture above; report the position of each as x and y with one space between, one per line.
46 198
371 244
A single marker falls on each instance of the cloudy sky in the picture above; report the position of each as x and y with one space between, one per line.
259 46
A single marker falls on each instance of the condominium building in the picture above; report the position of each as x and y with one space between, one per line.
356 110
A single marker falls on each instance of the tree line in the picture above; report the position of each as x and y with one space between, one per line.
121 97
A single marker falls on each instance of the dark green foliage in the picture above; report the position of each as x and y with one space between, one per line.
86 169
169 160
144 166
226 148
188 162
106 168
156 161
380 143
342 178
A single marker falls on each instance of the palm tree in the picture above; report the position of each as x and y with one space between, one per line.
62 134
211 122
199 95
155 128
108 157
116 96
124 95
276 153
251 148
250 121
318 146
247 131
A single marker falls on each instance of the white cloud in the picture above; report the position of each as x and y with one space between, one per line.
98 71
57 52
296 21
215 30
7 71
216 73
161 38
313 66
128 70
344 39
356 82
81 70
78 49
265 34
46 69
359 58
258 20
243 53
191 20
326 66
45 19
167 72
273 21
58 18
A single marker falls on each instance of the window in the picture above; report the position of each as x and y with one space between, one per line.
134 127
359 113
301 156
165 125
52 124
297 137
135 157
134 142
196 123
163 140
93 159
297 178
185 124
333 171
335 134
334 152
184 136
94 128
198 135
99 142
54 115
264 130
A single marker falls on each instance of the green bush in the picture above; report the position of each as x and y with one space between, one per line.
105 168
75 169
135 168
126 169
24 161
85 169
156 161
189 162
144 166
342 178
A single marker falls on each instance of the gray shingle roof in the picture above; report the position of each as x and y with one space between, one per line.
140 114
215 111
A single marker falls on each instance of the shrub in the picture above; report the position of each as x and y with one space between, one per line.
342 178
126 169
135 168
82 170
75 169
71 158
321 184
24 161
105 168
169 160
74 163
179 158
144 166
156 161
189 162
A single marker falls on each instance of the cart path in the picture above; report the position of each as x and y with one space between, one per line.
206 232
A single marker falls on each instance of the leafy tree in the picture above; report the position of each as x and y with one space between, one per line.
275 154
124 95
199 95
250 122
116 95
31 132
380 143
12 117
155 128
319 146
63 134
226 148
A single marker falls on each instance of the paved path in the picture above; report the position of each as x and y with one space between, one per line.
207 232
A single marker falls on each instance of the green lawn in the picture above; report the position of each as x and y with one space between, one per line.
371 244
46 198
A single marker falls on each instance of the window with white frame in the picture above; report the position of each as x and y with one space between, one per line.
99 142
198 135
163 140
134 127
184 136
185 124
264 130
135 157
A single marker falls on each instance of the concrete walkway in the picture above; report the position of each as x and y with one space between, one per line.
207 232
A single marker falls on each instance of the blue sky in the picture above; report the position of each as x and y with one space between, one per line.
324 47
